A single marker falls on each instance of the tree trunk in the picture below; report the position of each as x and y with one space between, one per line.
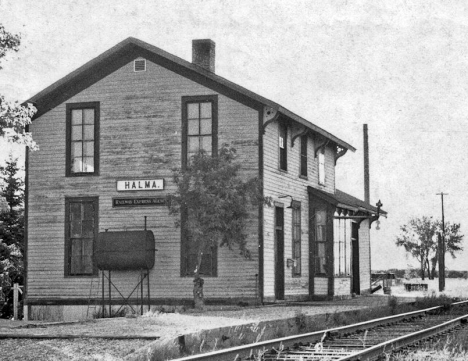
429 274
422 269
198 298
434 264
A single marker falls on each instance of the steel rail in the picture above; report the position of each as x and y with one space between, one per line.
402 341
237 352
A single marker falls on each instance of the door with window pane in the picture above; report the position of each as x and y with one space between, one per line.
81 232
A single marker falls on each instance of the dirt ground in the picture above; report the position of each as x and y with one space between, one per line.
157 325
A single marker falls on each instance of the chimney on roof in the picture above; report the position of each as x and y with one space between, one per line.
203 53
366 166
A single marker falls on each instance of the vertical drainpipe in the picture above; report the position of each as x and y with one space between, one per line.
260 207
25 255
366 166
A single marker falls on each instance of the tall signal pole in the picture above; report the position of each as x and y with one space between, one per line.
442 247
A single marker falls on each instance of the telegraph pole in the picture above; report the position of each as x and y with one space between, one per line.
441 246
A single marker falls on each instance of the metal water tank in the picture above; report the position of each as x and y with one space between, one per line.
126 250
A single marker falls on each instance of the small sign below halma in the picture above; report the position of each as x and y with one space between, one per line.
138 202
140 185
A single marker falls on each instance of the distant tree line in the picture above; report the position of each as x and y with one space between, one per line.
420 238
416 273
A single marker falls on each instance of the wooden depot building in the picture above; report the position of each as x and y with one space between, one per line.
110 134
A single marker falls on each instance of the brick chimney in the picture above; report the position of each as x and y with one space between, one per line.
203 53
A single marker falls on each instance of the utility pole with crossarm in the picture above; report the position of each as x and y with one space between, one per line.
441 245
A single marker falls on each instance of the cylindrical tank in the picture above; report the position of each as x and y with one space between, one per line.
127 250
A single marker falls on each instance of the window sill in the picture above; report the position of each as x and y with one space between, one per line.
82 276
282 170
202 276
82 174
303 177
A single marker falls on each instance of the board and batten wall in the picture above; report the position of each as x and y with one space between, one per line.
277 182
140 138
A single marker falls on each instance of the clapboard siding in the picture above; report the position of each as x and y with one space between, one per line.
342 286
140 137
320 286
277 183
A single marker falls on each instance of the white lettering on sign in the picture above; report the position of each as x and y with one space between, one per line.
140 185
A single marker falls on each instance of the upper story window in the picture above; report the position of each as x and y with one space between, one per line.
321 167
199 125
304 155
82 139
283 146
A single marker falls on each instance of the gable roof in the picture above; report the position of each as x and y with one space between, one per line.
132 48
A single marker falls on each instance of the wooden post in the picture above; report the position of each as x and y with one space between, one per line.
148 284
15 301
110 297
16 291
141 289
103 300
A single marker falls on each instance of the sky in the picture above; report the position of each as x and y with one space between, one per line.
398 66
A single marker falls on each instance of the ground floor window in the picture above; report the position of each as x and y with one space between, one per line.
296 237
342 246
81 231
190 251
190 259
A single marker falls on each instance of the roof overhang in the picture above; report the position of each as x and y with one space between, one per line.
346 201
130 49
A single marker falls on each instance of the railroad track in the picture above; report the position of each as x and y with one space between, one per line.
362 341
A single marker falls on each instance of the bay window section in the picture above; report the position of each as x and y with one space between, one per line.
342 246
320 242
296 238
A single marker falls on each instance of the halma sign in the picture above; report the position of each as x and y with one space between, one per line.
140 185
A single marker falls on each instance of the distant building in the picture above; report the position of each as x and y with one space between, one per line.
109 135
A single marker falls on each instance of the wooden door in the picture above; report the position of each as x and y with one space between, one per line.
356 287
279 253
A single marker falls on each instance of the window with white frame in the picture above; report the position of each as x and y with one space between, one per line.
342 246
321 166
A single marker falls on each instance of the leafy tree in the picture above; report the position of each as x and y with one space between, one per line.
14 117
213 202
419 238
11 233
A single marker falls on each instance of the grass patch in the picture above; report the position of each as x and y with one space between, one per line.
453 346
